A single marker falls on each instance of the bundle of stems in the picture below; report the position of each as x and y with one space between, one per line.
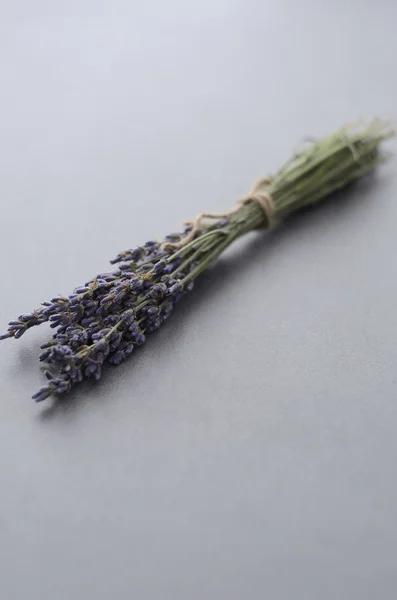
110 315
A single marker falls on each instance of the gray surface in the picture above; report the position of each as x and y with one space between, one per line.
249 449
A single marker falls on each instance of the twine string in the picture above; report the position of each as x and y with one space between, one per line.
256 194
260 196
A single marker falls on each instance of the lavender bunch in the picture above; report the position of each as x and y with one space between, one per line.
109 316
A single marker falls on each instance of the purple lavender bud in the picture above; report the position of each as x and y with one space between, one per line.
90 369
119 297
99 357
131 254
102 347
135 253
114 341
134 328
60 333
87 303
158 291
73 373
114 345
19 333
77 313
101 283
107 299
174 264
120 288
147 267
173 237
104 309
56 317
159 266
154 252
82 290
129 349
50 308
175 288
140 339
100 334
147 284
15 324
61 353
100 292
5 336
42 394
128 337
26 317
60 386
49 344
44 355
136 284
130 302
80 339
87 322
154 325
111 320
127 314
76 309
116 358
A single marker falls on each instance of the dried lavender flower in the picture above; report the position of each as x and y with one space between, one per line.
110 315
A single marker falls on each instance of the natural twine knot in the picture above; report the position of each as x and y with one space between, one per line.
256 194
262 197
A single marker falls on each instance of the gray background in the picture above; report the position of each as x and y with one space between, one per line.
249 449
